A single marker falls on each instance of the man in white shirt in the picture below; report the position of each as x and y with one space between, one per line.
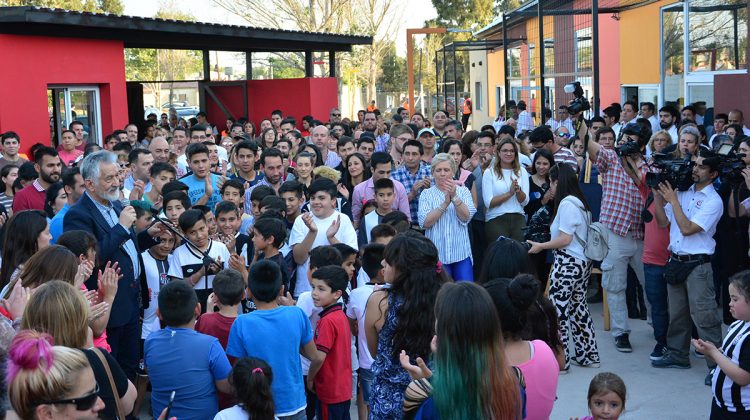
563 120
736 117
692 217
628 114
668 120
525 122
648 111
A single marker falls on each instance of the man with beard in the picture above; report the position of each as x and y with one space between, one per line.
100 213
418 119
668 120
48 165
272 165
400 134
370 124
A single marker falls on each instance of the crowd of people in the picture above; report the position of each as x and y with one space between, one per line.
295 268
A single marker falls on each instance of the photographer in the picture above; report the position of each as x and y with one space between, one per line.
731 233
692 216
621 171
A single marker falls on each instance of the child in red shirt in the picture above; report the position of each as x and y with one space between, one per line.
229 289
333 340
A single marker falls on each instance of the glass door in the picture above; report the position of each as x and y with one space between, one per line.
75 103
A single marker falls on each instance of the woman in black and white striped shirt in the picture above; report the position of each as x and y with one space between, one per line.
730 381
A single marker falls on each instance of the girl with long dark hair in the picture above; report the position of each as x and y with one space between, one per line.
571 269
356 171
251 379
401 317
25 233
472 377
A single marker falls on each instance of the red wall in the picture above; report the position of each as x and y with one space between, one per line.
295 97
36 62
609 60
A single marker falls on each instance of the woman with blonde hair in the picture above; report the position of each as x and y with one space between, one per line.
61 311
658 142
505 190
444 213
50 382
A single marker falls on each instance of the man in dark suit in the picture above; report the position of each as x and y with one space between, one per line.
100 212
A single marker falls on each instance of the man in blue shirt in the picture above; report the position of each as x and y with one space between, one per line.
74 188
204 186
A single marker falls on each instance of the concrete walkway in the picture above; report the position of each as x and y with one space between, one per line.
652 393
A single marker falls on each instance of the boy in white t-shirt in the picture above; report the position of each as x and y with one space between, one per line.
322 226
187 262
156 268
372 257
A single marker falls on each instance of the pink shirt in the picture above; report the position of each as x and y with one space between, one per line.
365 191
540 373
656 239
100 341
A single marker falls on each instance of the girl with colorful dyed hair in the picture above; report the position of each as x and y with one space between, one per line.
50 382
472 378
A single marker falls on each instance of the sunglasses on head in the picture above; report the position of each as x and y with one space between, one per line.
82 403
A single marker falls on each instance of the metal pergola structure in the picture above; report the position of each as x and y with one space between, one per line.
452 48
545 8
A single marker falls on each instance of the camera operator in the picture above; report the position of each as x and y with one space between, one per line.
620 172
731 233
692 216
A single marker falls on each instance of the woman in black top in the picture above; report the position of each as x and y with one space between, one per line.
540 195
60 310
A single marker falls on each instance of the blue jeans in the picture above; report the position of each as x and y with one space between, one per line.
656 293
365 382
461 270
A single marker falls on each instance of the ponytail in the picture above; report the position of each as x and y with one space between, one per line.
252 379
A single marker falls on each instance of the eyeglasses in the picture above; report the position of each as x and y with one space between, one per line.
82 403
563 135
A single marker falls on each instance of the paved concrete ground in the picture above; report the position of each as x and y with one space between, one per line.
652 393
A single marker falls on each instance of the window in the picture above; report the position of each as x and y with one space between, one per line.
478 96
549 56
532 60
713 43
75 103
584 50
514 62
672 52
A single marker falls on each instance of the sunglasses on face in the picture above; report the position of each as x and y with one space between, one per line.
82 403
335 115
563 135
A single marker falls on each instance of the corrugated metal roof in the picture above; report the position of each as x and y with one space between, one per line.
137 31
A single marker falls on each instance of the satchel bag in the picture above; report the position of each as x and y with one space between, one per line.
120 413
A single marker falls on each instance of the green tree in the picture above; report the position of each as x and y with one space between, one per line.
393 71
108 6
154 66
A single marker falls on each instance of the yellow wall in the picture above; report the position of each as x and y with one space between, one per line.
495 77
640 45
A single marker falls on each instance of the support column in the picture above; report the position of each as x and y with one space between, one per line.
206 66
540 53
595 56
248 65
506 69
309 64
332 63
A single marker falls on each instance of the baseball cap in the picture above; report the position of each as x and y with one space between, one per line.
426 130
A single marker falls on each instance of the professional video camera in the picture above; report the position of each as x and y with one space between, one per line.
731 165
579 103
678 172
